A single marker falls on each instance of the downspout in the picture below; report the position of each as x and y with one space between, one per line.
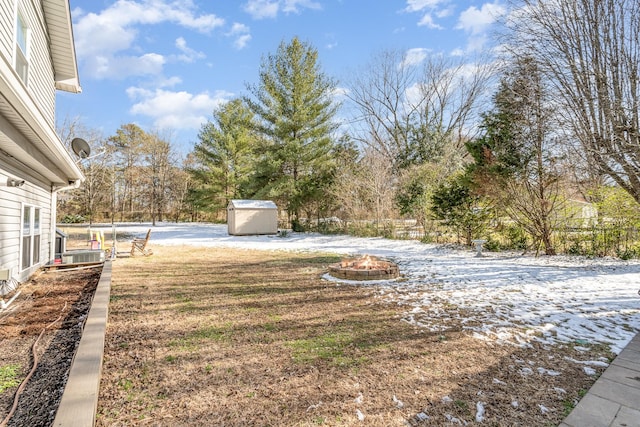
54 212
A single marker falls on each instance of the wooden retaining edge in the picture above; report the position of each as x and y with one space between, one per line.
79 401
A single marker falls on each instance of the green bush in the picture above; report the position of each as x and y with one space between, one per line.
73 219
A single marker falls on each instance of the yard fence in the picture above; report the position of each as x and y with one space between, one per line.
596 240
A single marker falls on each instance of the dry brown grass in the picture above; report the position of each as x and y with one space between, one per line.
225 337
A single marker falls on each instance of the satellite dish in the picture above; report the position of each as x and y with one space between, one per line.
81 148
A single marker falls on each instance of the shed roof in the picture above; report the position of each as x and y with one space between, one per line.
252 204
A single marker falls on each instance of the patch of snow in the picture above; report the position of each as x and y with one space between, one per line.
479 412
589 371
316 406
447 399
526 371
505 298
399 403
550 372
360 415
421 416
454 420
515 404
560 390
358 398
543 409
588 362
497 381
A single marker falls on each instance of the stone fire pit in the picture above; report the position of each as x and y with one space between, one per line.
364 268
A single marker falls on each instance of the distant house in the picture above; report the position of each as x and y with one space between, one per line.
246 217
582 212
37 57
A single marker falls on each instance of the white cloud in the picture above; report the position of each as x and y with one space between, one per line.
238 28
293 6
188 54
340 92
427 21
476 21
242 41
443 13
170 82
429 8
118 68
414 57
419 5
100 38
261 9
175 110
241 35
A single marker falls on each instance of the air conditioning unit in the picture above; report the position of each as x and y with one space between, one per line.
76 257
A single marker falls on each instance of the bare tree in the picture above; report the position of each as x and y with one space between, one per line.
159 160
409 112
382 110
365 189
91 199
590 51
126 146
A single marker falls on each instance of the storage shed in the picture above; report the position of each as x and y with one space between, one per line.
246 217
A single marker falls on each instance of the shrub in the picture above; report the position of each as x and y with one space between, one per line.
73 219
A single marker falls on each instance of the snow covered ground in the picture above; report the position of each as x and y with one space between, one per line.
503 297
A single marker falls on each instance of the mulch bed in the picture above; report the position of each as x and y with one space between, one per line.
49 312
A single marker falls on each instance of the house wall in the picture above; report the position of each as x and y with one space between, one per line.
7 14
40 83
12 200
40 89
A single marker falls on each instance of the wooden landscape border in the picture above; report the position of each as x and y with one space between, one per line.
79 401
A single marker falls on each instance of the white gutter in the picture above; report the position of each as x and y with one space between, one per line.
4 305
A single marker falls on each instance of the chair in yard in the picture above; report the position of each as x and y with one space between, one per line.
139 245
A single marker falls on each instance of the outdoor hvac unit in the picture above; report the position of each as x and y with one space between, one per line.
82 256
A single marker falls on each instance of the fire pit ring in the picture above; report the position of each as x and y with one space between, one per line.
365 268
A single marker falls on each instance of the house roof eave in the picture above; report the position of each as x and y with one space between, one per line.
63 53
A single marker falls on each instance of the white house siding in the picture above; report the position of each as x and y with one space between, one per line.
6 30
40 82
11 202
40 85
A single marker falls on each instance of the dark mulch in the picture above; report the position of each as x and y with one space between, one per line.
56 303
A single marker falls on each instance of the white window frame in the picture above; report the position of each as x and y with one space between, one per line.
22 52
30 236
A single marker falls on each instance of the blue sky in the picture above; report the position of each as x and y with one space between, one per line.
167 64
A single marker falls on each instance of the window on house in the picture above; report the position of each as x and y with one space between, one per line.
31 231
22 39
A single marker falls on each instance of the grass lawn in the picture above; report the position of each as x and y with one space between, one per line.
227 337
